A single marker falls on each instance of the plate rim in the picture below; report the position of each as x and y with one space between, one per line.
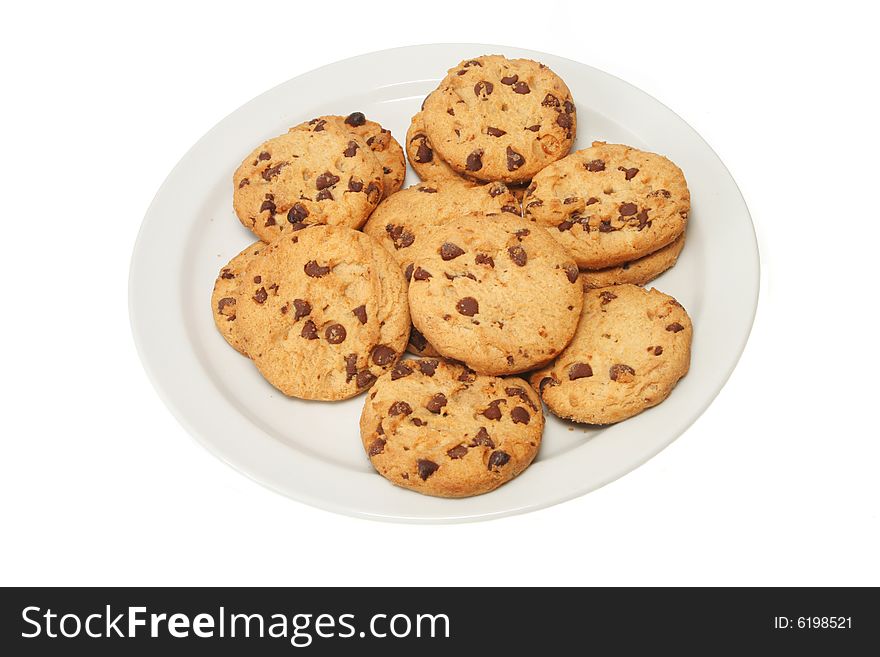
696 410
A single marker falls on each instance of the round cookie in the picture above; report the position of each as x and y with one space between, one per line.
610 204
496 293
307 177
637 272
438 428
631 348
323 312
402 221
381 142
224 298
427 164
495 118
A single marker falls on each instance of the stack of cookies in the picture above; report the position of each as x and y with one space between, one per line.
512 271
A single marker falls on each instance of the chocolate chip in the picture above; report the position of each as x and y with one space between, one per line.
563 121
428 366
323 195
417 340
408 272
400 237
642 216
607 297
418 422
675 327
225 301
271 172
383 354
621 372
568 106
628 173
356 119
326 180
365 378
472 62
511 209
261 295
226 273
244 181
522 394
595 165
361 313
660 192
309 330
426 468
509 79
658 350
534 128
519 415
424 154
492 411
421 274
496 189
468 376
450 251
495 132
467 306
355 185
547 381
301 308
483 259
297 213
518 255
591 200
264 156
564 225
514 160
498 459
313 269
628 209
372 192
427 190
483 88
351 362
482 438
457 452
605 226
400 408
267 206
335 334
521 233
351 150
550 101
521 88
318 125
579 371
475 160
400 370
571 271
376 447
436 403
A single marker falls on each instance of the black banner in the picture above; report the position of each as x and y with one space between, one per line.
432 621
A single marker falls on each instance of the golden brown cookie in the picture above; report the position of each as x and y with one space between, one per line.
631 347
637 272
495 118
381 142
307 177
225 296
440 429
610 204
323 312
496 293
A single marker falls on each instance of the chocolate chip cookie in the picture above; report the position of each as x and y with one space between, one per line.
440 429
497 293
610 204
495 118
225 296
307 177
381 142
323 312
637 272
631 347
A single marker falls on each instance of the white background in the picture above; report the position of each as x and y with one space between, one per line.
777 483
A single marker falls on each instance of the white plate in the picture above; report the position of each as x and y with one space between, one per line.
311 451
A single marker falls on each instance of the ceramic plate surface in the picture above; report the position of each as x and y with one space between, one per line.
311 451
